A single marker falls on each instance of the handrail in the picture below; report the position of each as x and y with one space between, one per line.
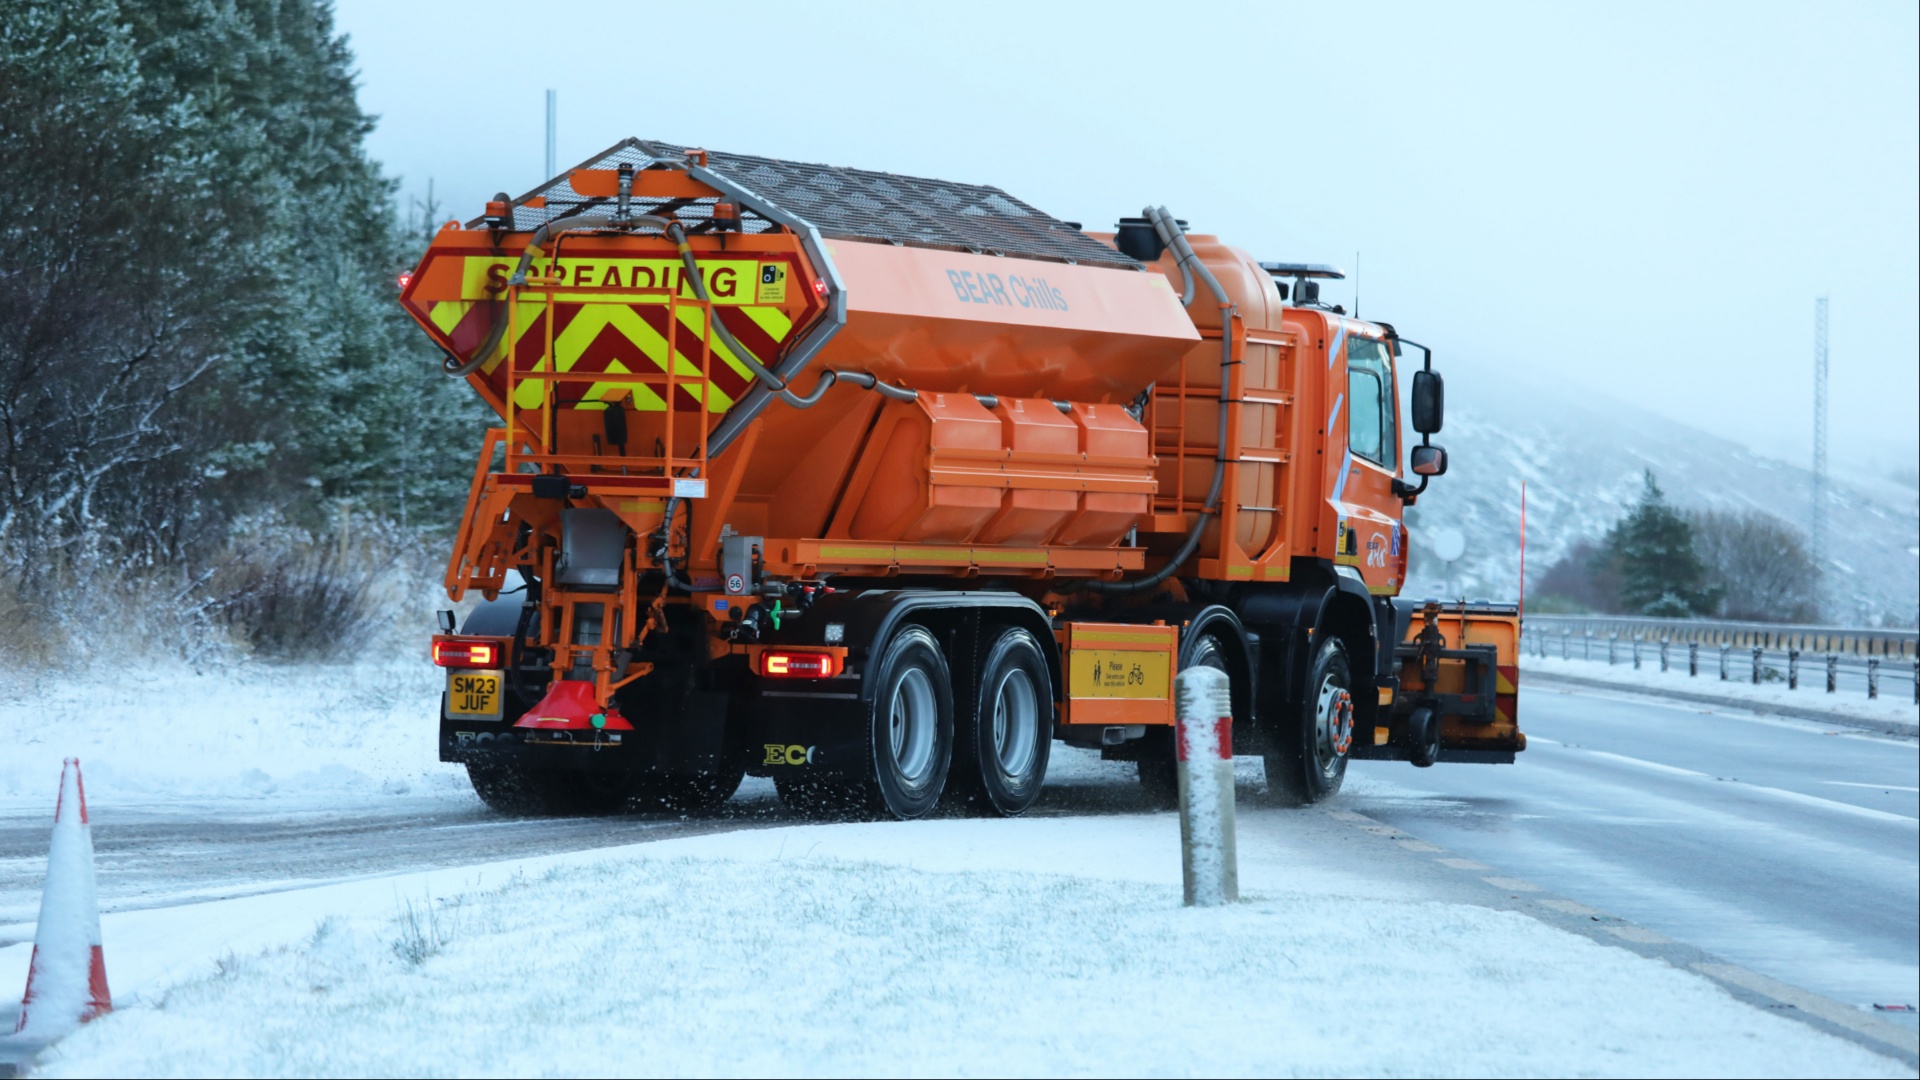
1858 641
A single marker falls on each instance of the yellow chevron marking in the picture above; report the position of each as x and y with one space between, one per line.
693 319
447 314
770 319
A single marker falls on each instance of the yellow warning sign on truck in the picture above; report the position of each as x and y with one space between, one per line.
1108 673
1118 673
773 284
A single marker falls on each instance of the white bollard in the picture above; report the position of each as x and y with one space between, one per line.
1203 741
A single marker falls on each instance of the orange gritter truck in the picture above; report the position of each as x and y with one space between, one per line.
879 485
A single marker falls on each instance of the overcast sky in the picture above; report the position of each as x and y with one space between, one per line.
1643 200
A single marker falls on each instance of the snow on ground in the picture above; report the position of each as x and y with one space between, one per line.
1034 946
278 735
1894 703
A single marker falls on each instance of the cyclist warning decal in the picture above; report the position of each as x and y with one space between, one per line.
773 284
1111 673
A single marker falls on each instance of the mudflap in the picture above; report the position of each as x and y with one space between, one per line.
817 734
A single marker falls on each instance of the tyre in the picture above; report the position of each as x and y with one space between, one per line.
910 727
1423 732
1159 778
1001 743
516 789
1308 759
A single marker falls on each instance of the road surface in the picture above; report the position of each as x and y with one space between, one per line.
1784 846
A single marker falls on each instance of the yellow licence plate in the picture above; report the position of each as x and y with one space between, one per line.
473 695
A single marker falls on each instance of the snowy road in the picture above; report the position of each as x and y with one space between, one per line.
1785 846
1780 845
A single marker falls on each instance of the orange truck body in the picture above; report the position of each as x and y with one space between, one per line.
999 439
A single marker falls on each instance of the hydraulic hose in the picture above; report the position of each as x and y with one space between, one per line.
664 555
1175 237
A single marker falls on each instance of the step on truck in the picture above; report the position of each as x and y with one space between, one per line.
879 486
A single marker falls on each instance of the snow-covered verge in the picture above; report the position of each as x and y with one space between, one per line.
1894 702
327 734
1036 946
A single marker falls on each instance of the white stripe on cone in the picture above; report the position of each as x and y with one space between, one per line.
1203 744
67 982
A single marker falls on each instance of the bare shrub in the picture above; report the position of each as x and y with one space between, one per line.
1760 566
291 595
1586 579
273 591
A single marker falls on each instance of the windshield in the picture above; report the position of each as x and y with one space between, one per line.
1370 431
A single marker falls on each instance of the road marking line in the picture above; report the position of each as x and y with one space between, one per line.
1511 884
1831 1011
1673 770
1829 804
1463 864
1417 845
1571 907
1638 934
1876 787
1793 796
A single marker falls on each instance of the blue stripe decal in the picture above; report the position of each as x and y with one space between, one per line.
1340 489
1338 400
1339 339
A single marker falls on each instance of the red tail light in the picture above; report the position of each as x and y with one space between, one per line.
795 664
466 654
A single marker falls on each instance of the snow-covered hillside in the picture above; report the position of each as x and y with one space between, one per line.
1582 457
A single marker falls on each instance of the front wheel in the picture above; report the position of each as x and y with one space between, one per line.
1000 746
1308 759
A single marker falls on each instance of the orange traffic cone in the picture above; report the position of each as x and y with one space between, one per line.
67 982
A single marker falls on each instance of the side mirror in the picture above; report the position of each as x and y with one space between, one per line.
1429 403
1428 460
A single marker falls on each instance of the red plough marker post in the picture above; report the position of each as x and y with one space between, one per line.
67 977
1209 863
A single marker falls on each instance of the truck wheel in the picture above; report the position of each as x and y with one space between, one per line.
1158 767
910 728
1308 761
515 789
1000 745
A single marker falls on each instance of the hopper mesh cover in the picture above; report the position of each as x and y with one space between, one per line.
853 204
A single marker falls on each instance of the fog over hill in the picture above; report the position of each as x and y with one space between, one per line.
1582 457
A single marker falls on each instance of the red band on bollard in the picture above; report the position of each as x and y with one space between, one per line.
1221 738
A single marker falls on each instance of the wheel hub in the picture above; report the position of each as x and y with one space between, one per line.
1016 713
911 720
1333 721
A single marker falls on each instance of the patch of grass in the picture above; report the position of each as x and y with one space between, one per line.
422 932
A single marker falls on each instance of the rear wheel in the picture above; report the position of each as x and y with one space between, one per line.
1001 744
517 789
910 726
1307 761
